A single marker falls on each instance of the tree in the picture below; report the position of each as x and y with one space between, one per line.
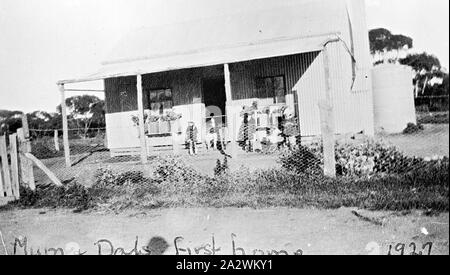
426 67
85 112
385 46
10 121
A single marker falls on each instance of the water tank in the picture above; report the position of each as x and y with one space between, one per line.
393 98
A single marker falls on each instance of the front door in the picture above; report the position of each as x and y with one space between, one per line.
214 98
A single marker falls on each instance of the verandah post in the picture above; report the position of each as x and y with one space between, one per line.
141 119
327 120
231 119
65 125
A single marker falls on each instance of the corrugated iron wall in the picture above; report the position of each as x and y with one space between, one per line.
186 85
120 94
352 102
244 74
310 89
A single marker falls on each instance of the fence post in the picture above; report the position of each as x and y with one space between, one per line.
26 166
5 166
14 165
327 119
65 125
56 141
327 130
2 190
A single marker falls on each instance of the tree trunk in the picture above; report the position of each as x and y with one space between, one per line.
425 85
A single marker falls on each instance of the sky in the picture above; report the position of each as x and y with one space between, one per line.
42 41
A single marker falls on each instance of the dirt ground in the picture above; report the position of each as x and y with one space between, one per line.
432 141
309 231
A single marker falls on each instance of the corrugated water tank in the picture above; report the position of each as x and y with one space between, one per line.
393 98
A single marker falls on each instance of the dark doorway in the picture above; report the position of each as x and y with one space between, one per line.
214 95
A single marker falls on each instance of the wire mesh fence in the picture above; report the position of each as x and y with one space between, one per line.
255 163
264 141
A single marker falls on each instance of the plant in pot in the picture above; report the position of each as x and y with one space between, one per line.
153 124
135 119
170 120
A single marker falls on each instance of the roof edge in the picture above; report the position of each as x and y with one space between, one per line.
328 38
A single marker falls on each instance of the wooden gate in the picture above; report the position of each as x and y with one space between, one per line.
9 169
17 164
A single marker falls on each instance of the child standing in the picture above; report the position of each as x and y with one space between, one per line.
191 138
211 134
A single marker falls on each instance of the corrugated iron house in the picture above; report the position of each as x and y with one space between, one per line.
293 56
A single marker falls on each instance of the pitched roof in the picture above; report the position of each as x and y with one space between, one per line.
305 27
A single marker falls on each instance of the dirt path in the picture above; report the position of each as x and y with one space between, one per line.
313 231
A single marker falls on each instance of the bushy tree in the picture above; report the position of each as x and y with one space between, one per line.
383 44
85 112
10 121
426 67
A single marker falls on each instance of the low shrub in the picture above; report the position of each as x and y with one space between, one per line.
173 174
365 159
412 128
174 184
107 177
302 160
433 118
70 196
221 167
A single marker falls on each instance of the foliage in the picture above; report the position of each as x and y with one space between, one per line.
421 62
382 41
426 187
174 173
71 196
368 158
10 121
433 118
302 160
426 67
412 128
221 167
105 177
171 116
148 118
44 120
85 111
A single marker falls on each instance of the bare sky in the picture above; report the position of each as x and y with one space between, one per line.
42 41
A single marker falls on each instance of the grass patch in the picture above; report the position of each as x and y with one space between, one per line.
433 118
175 184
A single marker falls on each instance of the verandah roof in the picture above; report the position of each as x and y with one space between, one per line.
208 58
301 28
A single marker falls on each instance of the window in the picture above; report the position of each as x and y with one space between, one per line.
160 100
272 87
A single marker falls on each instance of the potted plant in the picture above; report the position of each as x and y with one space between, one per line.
153 124
171 121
